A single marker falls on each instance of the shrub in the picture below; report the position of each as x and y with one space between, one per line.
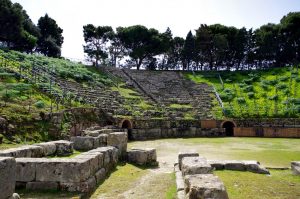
248 88
283 79
273 82
39 104
251 95
241 100
297 79
248 81
281 86
227 95
274 97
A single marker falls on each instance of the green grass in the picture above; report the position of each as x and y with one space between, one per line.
269 93
49 194
172 190
122 179
280 185
180 106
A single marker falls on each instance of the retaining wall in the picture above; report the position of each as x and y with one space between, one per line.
267 132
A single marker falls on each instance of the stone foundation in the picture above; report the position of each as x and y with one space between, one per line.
295 168
7 177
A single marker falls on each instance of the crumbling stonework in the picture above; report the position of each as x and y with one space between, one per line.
7 177
145 156
295 168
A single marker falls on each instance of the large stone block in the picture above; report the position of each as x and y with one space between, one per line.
63 147
195 165
110 156
63 170
217 164
204 186
7 176
93 159
295 167
118 140
100 175
26 168
85 187
49 148
83 143
145 156
255 167
24 151
42 186
235 165
181 155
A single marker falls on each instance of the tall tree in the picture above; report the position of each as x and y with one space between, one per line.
51 38
96 39
141 43
188 52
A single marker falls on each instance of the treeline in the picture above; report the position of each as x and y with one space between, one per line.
212 47
18 32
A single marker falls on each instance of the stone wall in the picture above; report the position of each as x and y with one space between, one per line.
267 132
7 177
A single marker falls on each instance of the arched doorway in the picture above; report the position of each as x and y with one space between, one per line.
126 124
229 128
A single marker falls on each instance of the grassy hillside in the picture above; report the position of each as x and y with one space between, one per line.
267 93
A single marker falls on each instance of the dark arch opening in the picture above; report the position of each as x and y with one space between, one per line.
126 124
229 126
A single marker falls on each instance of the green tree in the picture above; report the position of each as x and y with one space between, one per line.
141 43
188 51
96 39
51 39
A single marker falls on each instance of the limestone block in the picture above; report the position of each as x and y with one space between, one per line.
110 156
254 167
83 143
100 157
63 147
7 176
204 186
24 151
217 164
180 194
63 170
93 159
26 168
195 165
85 187
103 140
118 140
100 175
42 186
49 148
235 165
295 167
181 155
146 156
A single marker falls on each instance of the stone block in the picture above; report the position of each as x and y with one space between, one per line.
85 187
295 168
181 155
24 151
110 156
204 186
49 148
63 170
195 165
26 168
217 164
103 140
100 175
7 176
235 165
146 156
42 186
118 140
93 159
63 147
254 167
83 143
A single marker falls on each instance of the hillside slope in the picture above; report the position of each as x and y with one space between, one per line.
263 93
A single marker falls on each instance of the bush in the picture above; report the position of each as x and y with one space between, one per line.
283 79
248 88
297 79
241 100
227 95
251 95
248 81
281 86
273 82
39 104
274 97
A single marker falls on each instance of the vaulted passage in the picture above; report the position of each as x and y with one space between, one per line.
126 124
229 126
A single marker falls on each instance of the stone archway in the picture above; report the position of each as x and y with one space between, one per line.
229 128
127 124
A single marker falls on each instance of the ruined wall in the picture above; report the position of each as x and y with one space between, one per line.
267 132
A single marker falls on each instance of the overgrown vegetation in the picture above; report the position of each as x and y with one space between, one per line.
260 93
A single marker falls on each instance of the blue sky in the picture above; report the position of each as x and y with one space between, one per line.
180 15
